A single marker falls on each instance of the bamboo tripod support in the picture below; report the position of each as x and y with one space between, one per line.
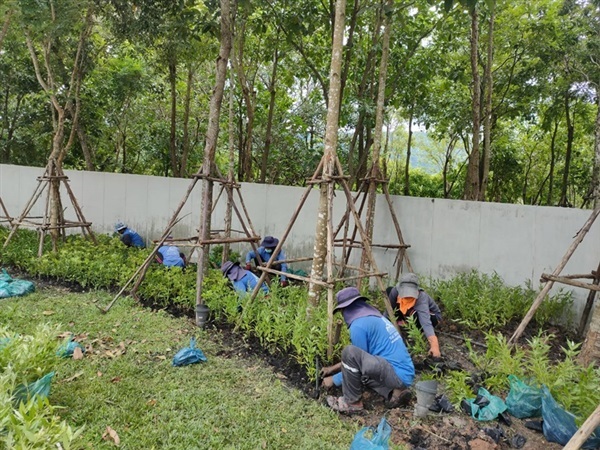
555 277
52 174
5 217
348 243
195 242
320 178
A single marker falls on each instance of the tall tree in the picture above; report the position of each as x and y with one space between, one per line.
61 83
329 155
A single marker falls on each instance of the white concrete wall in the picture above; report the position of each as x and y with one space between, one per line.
446 236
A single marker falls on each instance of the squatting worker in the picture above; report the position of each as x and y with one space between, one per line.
376 358
169 255
129 237
265 251
243 281
408 299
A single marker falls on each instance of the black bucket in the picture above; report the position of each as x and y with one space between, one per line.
202 313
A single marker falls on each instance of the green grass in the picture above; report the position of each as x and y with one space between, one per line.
224 403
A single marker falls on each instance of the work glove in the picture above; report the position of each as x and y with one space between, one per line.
434 346
284 283
248 266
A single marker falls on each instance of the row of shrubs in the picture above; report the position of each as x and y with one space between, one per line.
27 419
279 321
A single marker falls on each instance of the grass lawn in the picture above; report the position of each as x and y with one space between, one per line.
126 381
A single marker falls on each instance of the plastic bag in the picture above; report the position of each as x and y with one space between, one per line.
379 440
559 425
189 355
39 388
486 406
66 350
10 287
523 400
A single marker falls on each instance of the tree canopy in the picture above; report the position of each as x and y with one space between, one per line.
497 96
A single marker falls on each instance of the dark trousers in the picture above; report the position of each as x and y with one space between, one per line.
362 370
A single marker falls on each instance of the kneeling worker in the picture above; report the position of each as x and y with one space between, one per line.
377 357
243 281
408 299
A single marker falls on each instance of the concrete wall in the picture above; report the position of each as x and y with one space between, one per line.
446 236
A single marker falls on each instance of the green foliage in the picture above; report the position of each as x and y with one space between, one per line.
457 386
481 301
417 343
29 356
575 387
33 424
208 405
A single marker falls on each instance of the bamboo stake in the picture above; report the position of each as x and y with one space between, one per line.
282 240
571 282
330 276
368 249
581 435
536 303
589 302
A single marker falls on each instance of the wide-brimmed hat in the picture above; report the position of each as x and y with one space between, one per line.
120 226
226 267
269 242
233 271
347 296
408 286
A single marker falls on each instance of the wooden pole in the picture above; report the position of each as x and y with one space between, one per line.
590 302
330 275
537 302
581 435
366 243
571 282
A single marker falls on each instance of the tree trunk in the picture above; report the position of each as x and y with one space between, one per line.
406 189
552 164
564 201
87 154
4 31
472 182
363 90
230 172
186 122
212 133
331 140
375 173
71 109
250 100
269 132
487 120
172 136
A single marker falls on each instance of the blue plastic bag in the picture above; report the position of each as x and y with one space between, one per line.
559 425
39 388
10 287
379 440
189 355
491 410
66 350
523 400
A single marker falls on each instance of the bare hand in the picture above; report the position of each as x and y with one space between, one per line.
327 371
327 382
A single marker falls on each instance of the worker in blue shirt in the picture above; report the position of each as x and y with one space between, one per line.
243 281
169 255
377 358
265 251
129 237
